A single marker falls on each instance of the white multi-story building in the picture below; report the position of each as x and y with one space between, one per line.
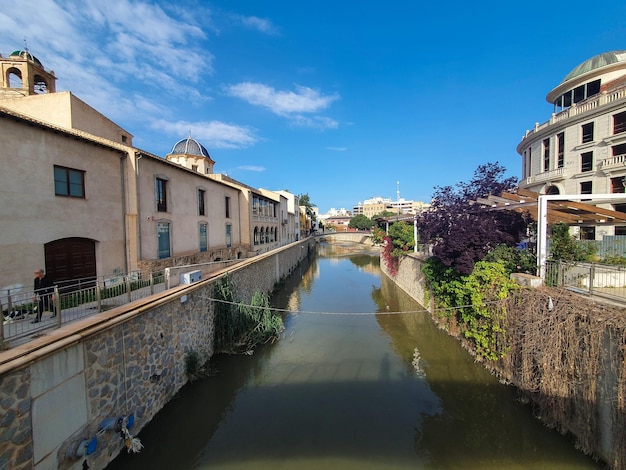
581 149
378 205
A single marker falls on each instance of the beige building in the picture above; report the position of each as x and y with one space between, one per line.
581 149
62 207
81 201
290 217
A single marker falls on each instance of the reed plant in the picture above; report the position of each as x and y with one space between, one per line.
240 327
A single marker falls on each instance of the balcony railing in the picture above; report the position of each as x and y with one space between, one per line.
583 107
552 175
616 161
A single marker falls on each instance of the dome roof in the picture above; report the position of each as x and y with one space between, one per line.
26 55
190 146
596 62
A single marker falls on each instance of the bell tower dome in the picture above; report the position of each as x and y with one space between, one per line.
24 75
191 154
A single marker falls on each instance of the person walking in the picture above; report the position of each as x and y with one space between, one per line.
44 294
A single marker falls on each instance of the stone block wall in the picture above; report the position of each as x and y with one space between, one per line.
409 277
58 392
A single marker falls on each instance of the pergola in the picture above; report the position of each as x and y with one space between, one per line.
554 208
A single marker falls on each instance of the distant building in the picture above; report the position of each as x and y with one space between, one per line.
378 205
290 217
581 149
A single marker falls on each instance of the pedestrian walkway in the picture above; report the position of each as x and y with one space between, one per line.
19 328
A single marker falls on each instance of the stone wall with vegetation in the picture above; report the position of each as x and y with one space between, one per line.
565 353
68 389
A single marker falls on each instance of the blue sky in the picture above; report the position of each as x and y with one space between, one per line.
338 99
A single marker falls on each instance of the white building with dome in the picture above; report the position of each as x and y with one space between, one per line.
581 149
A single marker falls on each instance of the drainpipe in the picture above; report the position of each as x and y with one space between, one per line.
138 157
124 209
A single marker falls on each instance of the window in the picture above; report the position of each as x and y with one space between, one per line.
228 236
585 187
124 139
579 94
194 167
202 236
586 162
201 201
593 88
227 206
619 123
620 230
546 155
69 182
617 185
161 195
587 233
619 149
587 132
560 140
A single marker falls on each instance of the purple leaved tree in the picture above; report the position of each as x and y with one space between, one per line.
461 232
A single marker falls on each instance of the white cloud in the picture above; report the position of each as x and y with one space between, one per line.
213 134
290 104
251 168
337 149
260 24
283 103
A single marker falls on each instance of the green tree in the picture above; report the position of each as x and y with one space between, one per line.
401 236
305 201
565 246
514 259
361 222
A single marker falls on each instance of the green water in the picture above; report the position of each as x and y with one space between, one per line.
364 389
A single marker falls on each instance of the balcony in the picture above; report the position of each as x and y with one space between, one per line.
577 109
613 163
552 175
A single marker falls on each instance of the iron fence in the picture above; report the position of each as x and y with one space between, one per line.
72 300
588 278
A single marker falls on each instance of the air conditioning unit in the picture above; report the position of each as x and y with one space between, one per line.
190 277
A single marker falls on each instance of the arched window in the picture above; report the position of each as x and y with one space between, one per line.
552 190
40 85
256 235
14 78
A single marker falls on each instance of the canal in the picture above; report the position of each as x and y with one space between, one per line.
350 385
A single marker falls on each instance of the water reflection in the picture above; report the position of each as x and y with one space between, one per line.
358 390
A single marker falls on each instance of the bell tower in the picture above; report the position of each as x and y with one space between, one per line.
24 75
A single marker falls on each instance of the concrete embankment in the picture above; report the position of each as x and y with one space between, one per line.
64 396
565 353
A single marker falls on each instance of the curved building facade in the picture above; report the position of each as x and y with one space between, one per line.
581 149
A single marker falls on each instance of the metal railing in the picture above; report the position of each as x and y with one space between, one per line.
588 278
72 300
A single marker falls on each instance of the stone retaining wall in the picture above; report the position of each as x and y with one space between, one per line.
63 391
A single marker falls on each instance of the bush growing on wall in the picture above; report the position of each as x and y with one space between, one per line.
473 302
